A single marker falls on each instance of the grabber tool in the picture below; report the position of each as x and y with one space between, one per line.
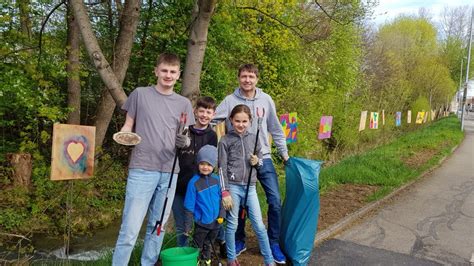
159 223
259 124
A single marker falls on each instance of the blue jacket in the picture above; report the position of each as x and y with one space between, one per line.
203 202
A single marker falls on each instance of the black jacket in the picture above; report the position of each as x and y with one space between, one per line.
187 157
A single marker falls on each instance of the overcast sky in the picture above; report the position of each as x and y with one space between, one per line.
389 9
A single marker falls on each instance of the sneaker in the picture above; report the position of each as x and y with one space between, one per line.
233 263
222 249
239 247
278 256
204 262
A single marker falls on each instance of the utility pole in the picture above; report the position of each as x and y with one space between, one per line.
464 96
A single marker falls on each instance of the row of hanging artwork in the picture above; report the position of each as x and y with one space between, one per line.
421 117
289 122
73 145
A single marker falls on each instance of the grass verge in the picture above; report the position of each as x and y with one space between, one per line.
396 163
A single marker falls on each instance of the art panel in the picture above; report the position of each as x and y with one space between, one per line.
374 120
363 120
420 116
325 127
289 123
409 117
72 155
398 119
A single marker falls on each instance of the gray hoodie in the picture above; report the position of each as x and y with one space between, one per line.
234 157
270 124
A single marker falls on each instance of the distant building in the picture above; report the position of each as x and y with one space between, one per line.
456 102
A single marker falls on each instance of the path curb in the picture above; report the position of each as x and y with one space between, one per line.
351 218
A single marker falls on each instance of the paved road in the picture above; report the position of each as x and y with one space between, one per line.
430 224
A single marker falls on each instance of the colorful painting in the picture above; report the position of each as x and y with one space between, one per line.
398 119
289 123
325 126
363 120
409 117
72 152
425 118
374 120
383 117
420 117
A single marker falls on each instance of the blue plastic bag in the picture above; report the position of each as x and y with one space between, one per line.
300 209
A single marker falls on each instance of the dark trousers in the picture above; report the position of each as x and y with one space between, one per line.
203 238
269 181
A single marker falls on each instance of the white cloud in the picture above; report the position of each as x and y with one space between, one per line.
389 9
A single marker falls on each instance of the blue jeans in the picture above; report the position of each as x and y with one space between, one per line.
146 190
269 181
179 218
254 213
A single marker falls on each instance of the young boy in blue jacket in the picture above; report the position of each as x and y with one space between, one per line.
203 203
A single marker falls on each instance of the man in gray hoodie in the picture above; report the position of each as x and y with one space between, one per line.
260 104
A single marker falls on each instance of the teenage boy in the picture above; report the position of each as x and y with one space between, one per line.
154 113
203 203
200 134
260 103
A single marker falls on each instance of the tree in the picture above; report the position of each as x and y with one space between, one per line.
197 43
111 76
72 69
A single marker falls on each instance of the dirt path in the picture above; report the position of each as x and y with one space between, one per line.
335 205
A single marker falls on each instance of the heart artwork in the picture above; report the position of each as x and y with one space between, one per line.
75 150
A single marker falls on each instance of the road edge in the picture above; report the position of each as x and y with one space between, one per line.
351 218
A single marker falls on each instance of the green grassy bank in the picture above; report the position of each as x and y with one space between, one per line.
396 163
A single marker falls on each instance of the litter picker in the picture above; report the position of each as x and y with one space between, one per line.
159 223
259 124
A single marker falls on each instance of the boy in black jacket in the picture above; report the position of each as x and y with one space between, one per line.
200 134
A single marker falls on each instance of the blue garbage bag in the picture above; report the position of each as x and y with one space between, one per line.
300 209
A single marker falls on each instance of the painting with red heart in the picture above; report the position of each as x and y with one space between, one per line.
72 152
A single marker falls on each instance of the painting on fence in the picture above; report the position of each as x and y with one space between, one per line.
374 120
363 120
420 117
398 119
289 123
72 155
325 126
409 117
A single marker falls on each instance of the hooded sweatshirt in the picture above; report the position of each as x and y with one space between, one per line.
270 122
187 156
234 158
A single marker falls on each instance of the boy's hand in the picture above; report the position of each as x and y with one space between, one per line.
182 141
226 200
253 160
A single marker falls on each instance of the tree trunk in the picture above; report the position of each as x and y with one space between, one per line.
121 59
72 69
90 41
22 165
25 22
197 43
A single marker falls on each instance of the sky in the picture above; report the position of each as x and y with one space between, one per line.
389 9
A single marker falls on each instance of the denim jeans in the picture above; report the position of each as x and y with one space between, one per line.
254 213
179 218
269 181
146 190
